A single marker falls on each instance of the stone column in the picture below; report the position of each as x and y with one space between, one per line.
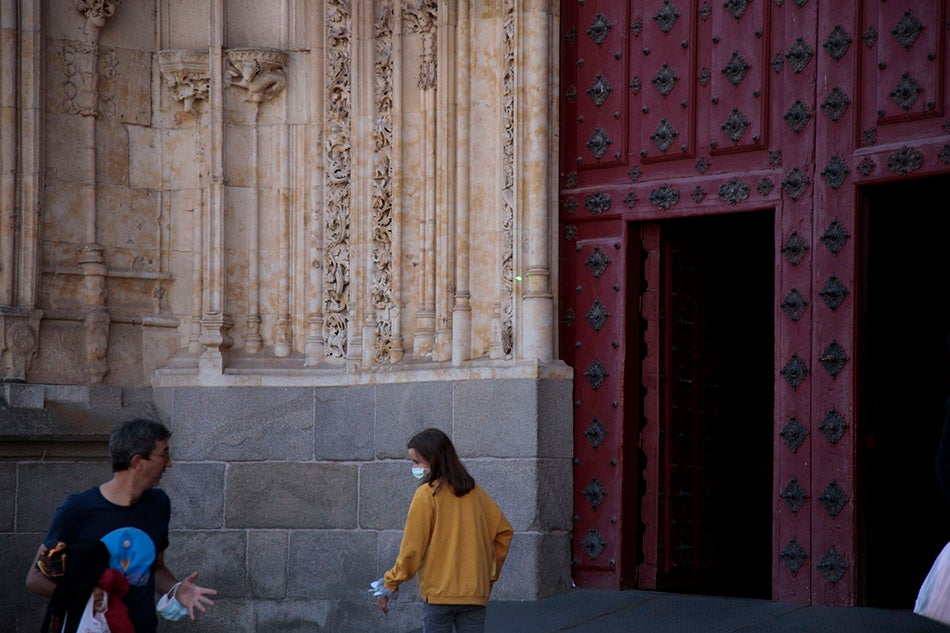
21 100
90 257
536 198
216 323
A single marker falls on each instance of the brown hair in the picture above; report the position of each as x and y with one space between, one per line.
435 447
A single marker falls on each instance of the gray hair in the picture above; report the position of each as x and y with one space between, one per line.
134 437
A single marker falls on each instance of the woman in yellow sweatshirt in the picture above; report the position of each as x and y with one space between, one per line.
455 536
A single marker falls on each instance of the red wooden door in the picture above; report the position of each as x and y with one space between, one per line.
678 109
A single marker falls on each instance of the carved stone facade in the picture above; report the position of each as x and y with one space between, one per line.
348 201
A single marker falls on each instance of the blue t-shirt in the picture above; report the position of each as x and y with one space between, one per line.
133 534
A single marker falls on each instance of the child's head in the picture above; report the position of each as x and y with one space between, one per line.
436 448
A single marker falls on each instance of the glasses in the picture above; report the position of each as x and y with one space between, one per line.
165 454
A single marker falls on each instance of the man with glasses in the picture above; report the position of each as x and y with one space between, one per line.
129 515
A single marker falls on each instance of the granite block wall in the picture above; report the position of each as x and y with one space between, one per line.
290 500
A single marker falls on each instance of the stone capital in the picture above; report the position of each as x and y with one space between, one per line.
187 74
260 71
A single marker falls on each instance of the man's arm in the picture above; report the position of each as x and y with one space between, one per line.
188 594
36 581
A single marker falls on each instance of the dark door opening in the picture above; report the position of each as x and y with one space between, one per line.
716 319
904 381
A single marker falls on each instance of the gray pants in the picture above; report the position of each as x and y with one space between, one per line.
440 618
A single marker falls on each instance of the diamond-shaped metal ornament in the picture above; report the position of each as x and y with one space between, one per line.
833 426
599 29
794 371
906 91
833 358
835 237
835 172
736 8
666 16
597 262
594 544
597 315
834 292
795 183
797 116
832 566
599 90
596 433
837 43
794 304
664 135
736 68
907 30
794 495
836 103
594 492
665 80
833 498
734 191
597 203
598 143
793 433
735 125
596 374
793 555
799 55
795 248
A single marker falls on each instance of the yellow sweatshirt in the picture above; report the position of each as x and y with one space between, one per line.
457 544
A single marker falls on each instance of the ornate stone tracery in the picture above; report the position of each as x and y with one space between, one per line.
386 346
337 146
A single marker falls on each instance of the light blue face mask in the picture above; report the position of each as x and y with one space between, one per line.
419 472
169 607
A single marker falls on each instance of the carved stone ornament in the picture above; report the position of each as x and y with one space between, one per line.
260 71
19 328
187 75
97 12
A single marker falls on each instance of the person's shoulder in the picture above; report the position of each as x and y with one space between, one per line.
84 497
156 495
